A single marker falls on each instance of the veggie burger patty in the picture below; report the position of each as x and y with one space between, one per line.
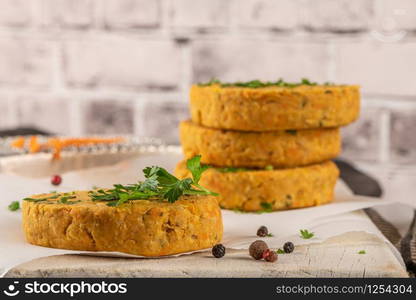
271 107
283 148
143 227
270 190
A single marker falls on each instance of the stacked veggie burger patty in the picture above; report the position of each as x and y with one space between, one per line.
270 143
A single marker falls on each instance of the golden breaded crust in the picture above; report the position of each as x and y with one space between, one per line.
259 149
283 189
274 108
141 227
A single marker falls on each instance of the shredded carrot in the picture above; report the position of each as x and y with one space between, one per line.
34 146
18 143
56 145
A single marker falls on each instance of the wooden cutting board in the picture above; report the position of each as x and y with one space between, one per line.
337 257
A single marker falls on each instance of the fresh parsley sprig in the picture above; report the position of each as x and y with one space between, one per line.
158 183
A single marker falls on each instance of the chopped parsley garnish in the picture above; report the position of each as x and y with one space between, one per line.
259 83
64 200
280 251
231 169
270 235
158 183
238 211
305 234
211 82
263 210
362 252
266 207
269 168
291 131
15 205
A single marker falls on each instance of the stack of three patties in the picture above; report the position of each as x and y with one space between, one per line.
270 145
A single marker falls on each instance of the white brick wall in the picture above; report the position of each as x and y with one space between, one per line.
199 14
109 66
403 142
381 68
67 13
395 14
106 116
267 14
362 139
14 13
25 62
8 115
49 114
232 60
127 14
122 62
337 16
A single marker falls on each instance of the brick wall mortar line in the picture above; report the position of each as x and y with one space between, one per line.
186 70
384 148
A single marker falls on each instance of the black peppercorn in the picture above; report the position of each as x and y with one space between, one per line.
262 231
218 250
288 247
257 248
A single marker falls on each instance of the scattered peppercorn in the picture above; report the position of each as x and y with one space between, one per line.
288 247
269 255
257 248
262 231
218 250
56 180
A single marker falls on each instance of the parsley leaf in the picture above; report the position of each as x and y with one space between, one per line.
280 251
194 165
55 196
362 252
64 199
173 191
305 234
15 205
150 173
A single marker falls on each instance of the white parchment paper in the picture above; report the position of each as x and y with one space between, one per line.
239 228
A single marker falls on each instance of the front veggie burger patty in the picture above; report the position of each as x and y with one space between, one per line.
274 107
270 190
142 227
282 149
